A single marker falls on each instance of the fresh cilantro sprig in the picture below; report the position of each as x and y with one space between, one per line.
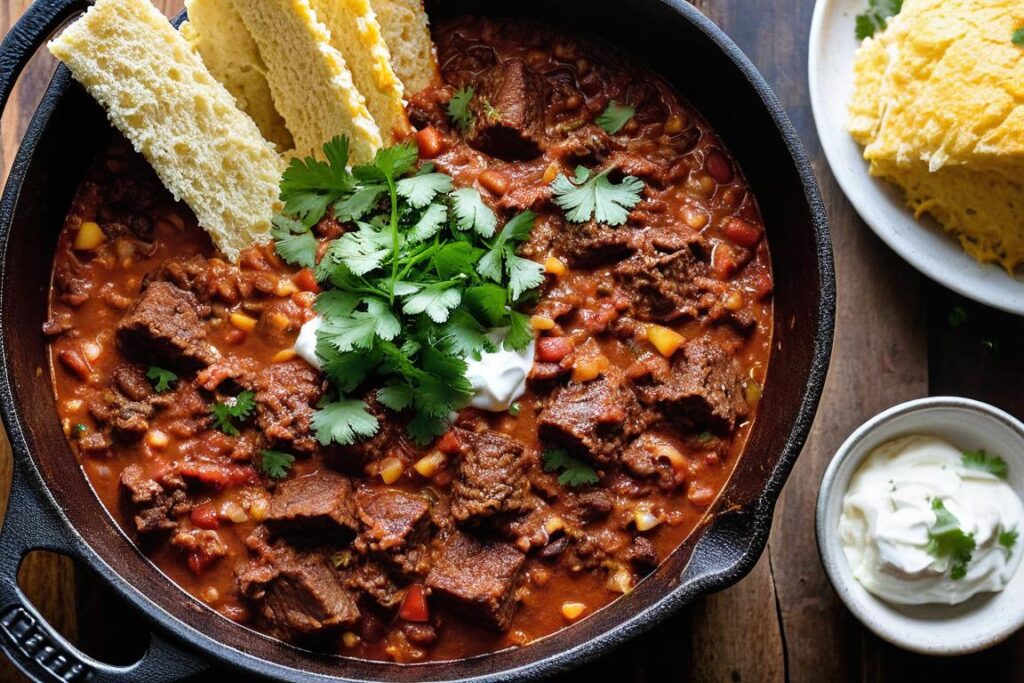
309 186
276 464
295 242
458 108
615 116
596 197
236 408
946 540
1008 539
413 287
981 461
876 16
575 472
160 378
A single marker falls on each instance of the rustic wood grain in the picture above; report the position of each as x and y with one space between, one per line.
893 342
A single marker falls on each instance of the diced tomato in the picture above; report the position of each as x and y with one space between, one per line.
199 561
205 516
763 285
723 261
449 444
430 142
306 281
741 232
217 475
553 349
414 606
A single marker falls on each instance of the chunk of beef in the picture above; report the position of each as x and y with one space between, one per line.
478 578
296 592
389 441
507 111
155 505
209 280
94 443
592 506
634 164
164 328
490 477
286 396
588 145
127 420
395 528
665 285
592 244
317 502
647 457
202 546
131 382
594 418
368 578
641 554
546 230
74 289
234 373
704 388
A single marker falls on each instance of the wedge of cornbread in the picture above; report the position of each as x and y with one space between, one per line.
216 31
938 105
406 30
311 84
160 95
356 34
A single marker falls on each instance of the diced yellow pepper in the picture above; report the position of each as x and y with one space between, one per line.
667 341
554 266
572 610
283 355
589 367
753 393
541 322
285 287
243 321
429 464
391 470
89 237
551 172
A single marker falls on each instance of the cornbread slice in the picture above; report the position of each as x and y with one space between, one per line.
355 33
159 94
309 80
406 30
216 31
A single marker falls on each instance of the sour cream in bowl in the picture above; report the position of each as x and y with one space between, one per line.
918 524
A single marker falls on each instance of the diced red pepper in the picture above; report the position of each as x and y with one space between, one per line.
430 142
553 349
205 516
306 281
741 232
449 444
414 606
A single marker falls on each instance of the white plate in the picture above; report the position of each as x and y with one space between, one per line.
983 620
881 205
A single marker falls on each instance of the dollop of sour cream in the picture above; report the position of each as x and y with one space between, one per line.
498 378
887 514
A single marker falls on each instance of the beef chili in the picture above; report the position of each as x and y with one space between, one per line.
652 342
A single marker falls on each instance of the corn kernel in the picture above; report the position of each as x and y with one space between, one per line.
734 301
554 266
428 465
279 320
572 610
674 125
349 639
243 322
211 594
73 406
285 287
283 355
157 439
391 470
588 368
551 172
553 524
667 341
234 512
259 509
620 581
91 351
645 520
694 218
541 322
89 236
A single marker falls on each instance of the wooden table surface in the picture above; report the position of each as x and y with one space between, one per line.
893 342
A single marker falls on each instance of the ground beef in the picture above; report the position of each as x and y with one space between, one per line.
477 578
318 502
164 328
286 397
395 527
490 477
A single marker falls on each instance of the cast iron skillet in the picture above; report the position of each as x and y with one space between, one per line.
53 507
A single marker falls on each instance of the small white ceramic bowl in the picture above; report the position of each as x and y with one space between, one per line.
978 623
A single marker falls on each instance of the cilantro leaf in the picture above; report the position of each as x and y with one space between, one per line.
465 336
472 213
575 472
429 224
523 275
275 464
435 300
363 250
294 242
309 186
615 116
395 396
595 197
160 378
875 17
389 163
981 461
420 190
359 203
458 108
1008 539
501 259
344 422
946 540
487 303
520 334
235 408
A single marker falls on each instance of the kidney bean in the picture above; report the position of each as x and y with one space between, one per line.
553 349
718 167
742 232
76 363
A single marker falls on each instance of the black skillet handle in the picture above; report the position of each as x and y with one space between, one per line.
31 522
